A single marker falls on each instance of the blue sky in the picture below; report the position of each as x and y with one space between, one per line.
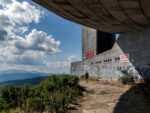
67 32
35 39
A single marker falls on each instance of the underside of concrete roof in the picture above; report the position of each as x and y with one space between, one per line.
113 16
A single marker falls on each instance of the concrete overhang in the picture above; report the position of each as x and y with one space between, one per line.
113 16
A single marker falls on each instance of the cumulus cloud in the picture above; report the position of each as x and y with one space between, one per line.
30 51
5 23
20 12
36 44
2 35
19 49
5 2
62 66
21 30
73 58
24 60
14 16
38 64
38 41
57 65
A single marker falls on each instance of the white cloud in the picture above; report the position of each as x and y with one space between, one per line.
63 66
20 12
73 58
21 30
38 64
15 16
5 2
33 51
28 52
29 49
37 41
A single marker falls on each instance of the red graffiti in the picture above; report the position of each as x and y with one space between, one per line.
90 54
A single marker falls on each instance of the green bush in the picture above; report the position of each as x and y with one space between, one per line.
127 80
3 104
53 94
35 104
5 111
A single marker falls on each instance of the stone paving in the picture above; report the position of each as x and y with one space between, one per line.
109 99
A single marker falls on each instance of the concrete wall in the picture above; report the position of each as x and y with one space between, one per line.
89 37
107 64
97 41
137 44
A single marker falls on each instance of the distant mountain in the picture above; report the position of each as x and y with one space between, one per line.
21 74
13 71
30 81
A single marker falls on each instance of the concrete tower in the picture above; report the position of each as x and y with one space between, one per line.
95 42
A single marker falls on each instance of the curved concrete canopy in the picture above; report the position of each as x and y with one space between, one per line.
114 16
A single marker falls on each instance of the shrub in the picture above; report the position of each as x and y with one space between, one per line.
53 94
127 79
10 95
3 105
35 104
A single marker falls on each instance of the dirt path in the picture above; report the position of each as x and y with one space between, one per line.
100 98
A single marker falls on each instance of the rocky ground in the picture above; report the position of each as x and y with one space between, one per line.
99 98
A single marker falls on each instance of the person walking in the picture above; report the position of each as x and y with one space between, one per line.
86 76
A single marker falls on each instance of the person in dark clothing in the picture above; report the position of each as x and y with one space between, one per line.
86 76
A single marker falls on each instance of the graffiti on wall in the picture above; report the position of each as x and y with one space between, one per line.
94 71
144 70
113 71
124 58
140 71
98 70
90 54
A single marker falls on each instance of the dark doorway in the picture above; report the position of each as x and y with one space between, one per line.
105 41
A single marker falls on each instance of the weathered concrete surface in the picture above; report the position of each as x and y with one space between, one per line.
106 15
89 40
96 41
107 64
109 99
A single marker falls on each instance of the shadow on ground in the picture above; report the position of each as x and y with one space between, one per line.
135 100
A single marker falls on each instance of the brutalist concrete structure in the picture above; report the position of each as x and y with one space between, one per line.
95 42
89 40
129 18
113 16
129 52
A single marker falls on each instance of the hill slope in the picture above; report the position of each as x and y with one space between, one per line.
30 81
